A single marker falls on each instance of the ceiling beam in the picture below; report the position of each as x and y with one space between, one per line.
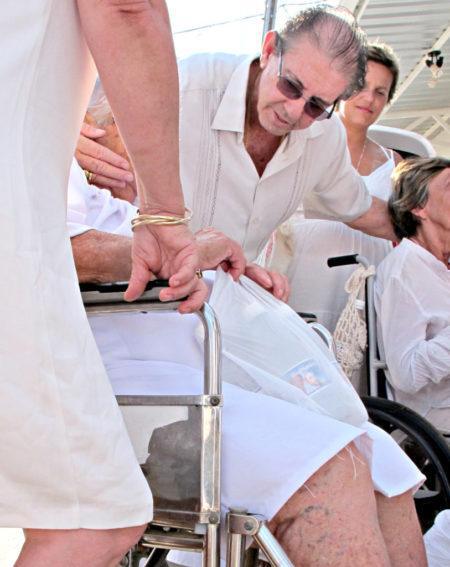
442 122
415 123
441 40
415 113
436 126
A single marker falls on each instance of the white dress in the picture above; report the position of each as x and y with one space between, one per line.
65 458
316 288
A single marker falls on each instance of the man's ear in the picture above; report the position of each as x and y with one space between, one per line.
269 46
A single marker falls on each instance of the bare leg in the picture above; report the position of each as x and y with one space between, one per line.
401 530
333 519
77 548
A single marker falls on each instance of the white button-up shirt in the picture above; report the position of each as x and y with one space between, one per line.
220 181
412 300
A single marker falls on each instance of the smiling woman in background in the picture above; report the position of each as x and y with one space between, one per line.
307 243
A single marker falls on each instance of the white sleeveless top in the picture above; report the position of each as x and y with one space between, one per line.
315 287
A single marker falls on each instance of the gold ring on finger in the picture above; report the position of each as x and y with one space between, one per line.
199 274
89 175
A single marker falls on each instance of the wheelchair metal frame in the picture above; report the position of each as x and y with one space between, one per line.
176 525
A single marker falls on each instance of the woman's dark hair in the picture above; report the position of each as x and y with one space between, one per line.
410 182
335 32
384 55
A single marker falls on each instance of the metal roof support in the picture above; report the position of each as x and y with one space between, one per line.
442 39
442 122
426 112
356 7
434 128
415 123
270 15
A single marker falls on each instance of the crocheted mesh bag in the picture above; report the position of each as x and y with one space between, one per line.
350 335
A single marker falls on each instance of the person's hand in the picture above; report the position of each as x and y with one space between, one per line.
168 252
216 249
108 169
276 283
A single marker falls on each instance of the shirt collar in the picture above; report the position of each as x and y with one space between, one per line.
230 115
429 258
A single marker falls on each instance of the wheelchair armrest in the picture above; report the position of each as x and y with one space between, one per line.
112 294
103 299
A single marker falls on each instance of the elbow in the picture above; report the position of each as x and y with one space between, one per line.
135 10
409 375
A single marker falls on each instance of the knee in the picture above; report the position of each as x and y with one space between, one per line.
123 539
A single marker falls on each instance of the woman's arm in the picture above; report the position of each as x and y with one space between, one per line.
413 360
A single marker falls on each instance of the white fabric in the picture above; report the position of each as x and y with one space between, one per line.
159 354
93 208
65 458
284 358
437 541
219 179
412 301
303 246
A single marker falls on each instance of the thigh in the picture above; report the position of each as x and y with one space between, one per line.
332 519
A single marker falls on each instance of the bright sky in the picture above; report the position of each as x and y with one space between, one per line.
224 25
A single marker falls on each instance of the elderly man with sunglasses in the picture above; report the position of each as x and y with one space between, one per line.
258 135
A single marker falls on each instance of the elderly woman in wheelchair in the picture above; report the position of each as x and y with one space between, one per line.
412 291
335 493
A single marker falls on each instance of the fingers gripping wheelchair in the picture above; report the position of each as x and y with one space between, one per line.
177 442
421 441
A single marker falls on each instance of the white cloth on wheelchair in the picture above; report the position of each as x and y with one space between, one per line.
270 447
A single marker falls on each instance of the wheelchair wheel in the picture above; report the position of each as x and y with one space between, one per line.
426 447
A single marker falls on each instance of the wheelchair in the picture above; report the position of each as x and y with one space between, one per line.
186 491
421 441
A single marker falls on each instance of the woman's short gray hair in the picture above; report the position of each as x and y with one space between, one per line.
410 182
335 32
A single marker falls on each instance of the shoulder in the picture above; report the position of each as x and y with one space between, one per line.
397 157
207 70
399 263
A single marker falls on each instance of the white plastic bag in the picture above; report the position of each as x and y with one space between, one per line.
268 348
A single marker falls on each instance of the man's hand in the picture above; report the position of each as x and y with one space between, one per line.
216 249
276 283
108 169
168 252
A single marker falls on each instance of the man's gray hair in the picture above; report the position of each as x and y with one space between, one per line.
336 33
410 182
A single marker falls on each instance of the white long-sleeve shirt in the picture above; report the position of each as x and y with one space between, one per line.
412 301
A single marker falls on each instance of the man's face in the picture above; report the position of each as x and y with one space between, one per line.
308 68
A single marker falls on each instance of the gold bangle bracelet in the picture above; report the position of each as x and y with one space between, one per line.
160 220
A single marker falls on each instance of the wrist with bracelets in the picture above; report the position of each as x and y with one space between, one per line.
160 220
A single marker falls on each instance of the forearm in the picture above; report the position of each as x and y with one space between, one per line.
426 362
101 257
132 45
375 221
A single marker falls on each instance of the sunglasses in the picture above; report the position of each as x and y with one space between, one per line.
293 91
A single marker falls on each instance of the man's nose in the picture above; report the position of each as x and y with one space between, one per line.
295 109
